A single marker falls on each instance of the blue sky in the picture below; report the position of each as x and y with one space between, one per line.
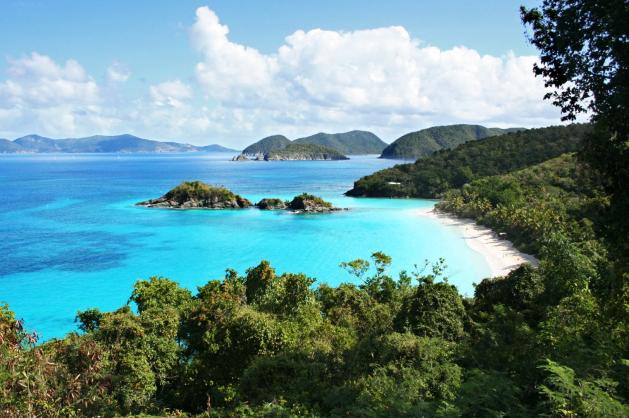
154 48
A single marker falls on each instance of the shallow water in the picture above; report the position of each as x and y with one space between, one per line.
71 239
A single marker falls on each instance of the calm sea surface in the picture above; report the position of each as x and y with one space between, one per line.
70 237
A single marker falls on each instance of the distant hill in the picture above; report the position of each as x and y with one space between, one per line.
100 144
215 148
36 143
295 151
9 147
422 143
447 169
266 145
353 142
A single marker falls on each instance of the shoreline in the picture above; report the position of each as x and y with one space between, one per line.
500 254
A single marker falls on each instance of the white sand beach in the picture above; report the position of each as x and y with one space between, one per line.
500 254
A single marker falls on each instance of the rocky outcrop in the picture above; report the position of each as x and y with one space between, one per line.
195 194
240 157
307 203
199 195
272 204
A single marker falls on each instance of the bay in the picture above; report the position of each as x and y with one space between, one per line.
71 237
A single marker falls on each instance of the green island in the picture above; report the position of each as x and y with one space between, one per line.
199 195
345 143
196 194
303 203
294 151
348 143
266 145
549 341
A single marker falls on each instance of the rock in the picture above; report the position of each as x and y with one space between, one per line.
307 203
196 194
240 157
271 204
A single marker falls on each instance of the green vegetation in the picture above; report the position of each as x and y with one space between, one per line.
348 143
556 197
422 143
295 151
197 190
307 201
271 204
196 194
430 177
547 341
538 342
353 142
266 145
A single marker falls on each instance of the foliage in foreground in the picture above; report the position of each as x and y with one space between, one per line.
538 341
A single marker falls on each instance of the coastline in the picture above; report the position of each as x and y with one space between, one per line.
500 254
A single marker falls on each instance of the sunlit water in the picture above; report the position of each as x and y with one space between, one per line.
71 238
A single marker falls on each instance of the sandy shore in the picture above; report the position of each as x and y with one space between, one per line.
500 254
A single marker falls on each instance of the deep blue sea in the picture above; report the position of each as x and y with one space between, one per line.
71 237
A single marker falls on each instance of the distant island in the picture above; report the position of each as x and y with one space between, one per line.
314 147
425 142
35 144
295 151
200 195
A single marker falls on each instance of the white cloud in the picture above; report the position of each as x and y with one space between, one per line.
118 73
43 96
170 93
379 79
36 80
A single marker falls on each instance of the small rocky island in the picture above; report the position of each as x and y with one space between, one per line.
292 152
196 194
199 195
304 203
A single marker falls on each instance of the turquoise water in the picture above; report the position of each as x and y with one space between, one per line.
71 238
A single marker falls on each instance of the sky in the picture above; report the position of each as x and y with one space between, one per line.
232 72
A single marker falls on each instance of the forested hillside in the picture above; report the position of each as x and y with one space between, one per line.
268 144
431 176
428 141
353 142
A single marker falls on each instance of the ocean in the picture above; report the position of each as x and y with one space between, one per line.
71 237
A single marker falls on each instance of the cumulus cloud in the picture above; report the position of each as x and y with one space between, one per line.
378 79
48 97
118 73
170 93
